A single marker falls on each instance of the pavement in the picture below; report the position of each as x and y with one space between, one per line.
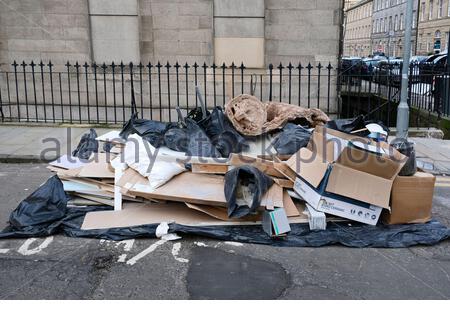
60 267
34 143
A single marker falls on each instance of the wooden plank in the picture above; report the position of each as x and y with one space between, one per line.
284 183
263 165
209 168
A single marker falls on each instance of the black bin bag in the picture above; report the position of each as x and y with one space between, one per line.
244 188
45 205
176 139
347 125
150 130
222 133
406 148
86 146
291 139
199 144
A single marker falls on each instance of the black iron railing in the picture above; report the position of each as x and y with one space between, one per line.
101 93
375 91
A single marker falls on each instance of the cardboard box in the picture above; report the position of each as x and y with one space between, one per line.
411 199
355 167
321 200
275 223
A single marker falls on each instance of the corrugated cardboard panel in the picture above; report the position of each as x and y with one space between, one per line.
99 168
187 187
308 165
411 199
135 214
368 162
359 185
221 213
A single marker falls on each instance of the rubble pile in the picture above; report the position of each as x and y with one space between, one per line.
271 165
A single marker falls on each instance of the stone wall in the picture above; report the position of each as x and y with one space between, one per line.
302 30
256 32
44 29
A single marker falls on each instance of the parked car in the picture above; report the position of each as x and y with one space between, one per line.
431 67
353 69
388 72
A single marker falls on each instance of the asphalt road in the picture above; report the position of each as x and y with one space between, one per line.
197 268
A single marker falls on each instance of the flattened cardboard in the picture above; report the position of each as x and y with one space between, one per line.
221 213
411 199
135 214
99 168
187 187
68 162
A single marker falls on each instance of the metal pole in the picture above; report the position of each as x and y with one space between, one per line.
403 108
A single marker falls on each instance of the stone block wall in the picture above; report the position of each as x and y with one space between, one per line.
44 29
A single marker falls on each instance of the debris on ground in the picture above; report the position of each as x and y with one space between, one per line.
255 172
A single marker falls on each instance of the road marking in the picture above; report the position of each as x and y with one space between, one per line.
4 250
24 249
175 250
200 244
142 254
232 243
127 244
444 185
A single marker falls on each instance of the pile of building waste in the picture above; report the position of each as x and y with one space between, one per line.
271 166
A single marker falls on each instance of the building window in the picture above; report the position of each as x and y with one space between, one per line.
440 8
413 20
401 20
430 12
390 23
386 4
448 9
396 23
422 12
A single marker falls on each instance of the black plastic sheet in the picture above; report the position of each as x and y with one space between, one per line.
44 213
86 146
291 139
